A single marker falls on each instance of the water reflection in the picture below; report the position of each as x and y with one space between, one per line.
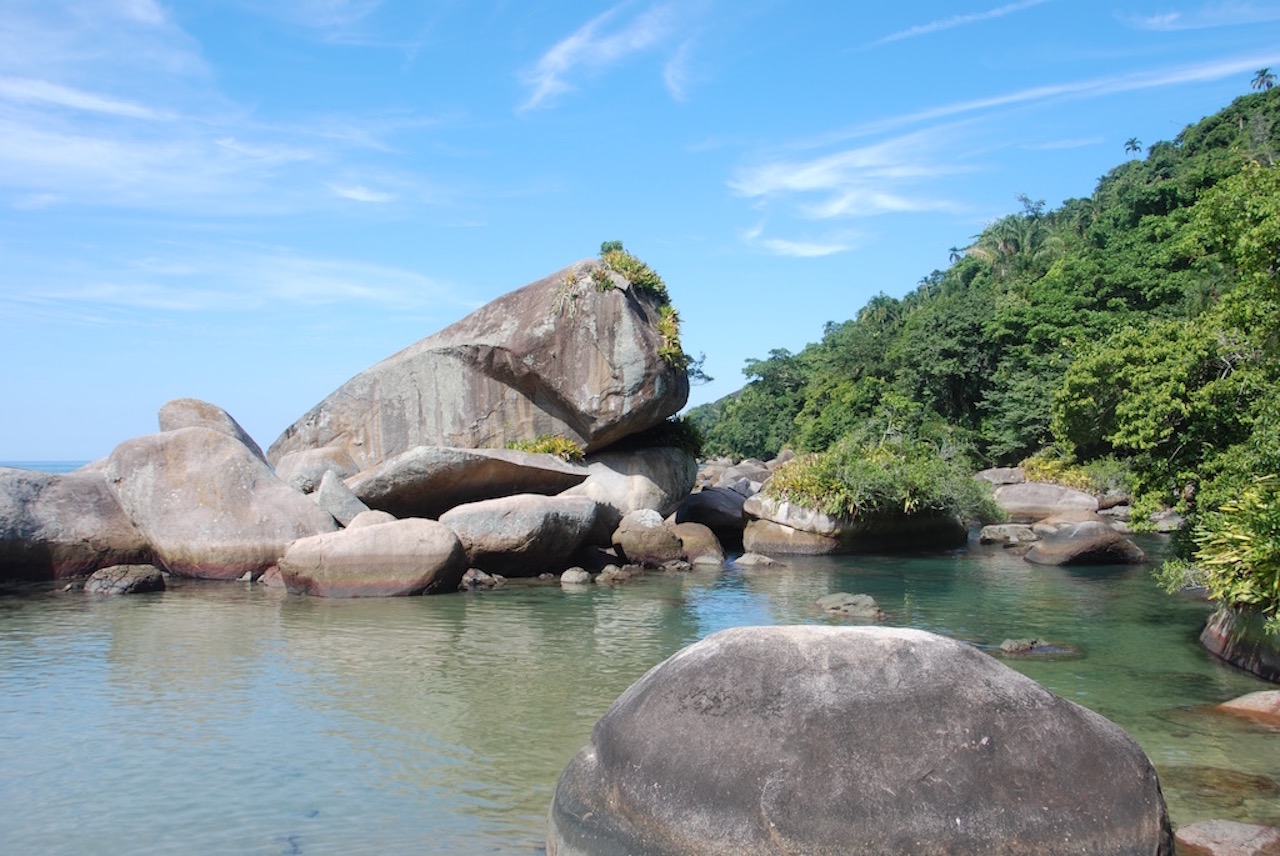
265 723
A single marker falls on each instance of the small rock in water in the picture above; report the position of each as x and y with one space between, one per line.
1227 838
756 560
125 579
575 577
1034 648
861 606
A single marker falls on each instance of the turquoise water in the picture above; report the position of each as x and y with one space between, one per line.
230 718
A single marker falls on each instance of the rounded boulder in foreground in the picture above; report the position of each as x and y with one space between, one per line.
824 740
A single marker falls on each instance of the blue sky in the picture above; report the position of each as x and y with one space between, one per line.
250 201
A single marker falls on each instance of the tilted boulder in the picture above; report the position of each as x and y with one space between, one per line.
826 740
561 356
402 557
427 481
621 482
522 535
57 526
208 506
336 498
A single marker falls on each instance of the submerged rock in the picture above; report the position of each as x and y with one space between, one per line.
1227 838
125 579
861 606
825 740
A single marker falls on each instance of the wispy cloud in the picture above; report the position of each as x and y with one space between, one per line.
1063 145
604 41
45 93
958 21
197 279
1093 88
1209 16
859 182
360 193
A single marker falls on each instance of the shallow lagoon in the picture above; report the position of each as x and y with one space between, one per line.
230 718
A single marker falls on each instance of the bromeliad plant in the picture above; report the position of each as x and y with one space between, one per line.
644 279
1237 555
550 444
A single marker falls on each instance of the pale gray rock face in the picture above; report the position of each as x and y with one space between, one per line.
622 482
522 535
304 470
557 357
57 526
194 413
370 518
208 506
1227 838
427 481
399 558
644 538
825 740
1032 501
782 528
1007 534
336 498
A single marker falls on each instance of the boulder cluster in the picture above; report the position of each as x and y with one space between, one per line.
1057 525
404 480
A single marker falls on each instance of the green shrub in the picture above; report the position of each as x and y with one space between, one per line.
550 444
1237 552
860 479
668 328
676 433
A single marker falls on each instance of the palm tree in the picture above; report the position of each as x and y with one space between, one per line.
954 254
1132 145
1264 79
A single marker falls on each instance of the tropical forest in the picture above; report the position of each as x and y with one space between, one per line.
1125 341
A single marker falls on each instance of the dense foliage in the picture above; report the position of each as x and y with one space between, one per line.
1132 334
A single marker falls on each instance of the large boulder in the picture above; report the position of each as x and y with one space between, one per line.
1238 635
826 740
56 526
798 529
207 504
522 535
402 557
621 482
427 481
718 508
1088 543
561 356
1031 501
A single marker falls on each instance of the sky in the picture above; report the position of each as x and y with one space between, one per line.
250 201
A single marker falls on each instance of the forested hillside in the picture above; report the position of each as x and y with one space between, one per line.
1129 337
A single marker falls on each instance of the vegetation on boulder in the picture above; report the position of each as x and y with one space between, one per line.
564 448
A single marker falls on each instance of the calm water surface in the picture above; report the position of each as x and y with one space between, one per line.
230 718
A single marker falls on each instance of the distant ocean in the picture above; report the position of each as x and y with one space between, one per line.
45 466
